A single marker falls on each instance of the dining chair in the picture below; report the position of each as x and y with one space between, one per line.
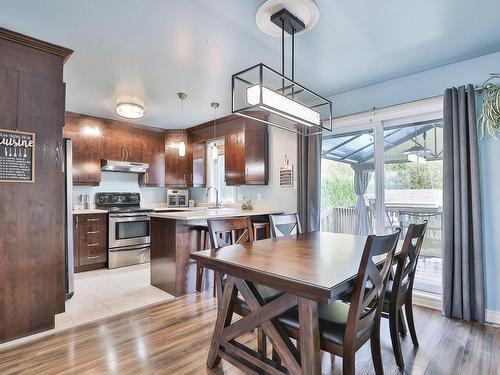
346 326
232 231
399 290
285 225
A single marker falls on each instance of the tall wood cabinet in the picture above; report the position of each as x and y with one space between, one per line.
178 169
32 99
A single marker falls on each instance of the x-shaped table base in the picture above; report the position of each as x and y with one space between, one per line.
224 344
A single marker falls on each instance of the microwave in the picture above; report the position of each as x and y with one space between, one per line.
177 198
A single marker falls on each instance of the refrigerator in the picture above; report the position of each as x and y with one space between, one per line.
68 218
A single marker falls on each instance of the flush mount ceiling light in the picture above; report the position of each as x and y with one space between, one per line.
130 110
263 94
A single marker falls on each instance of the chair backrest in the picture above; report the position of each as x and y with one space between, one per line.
407 262
231 231
284 225
369 286
225 232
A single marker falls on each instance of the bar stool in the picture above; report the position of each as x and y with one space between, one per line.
203 245
264 226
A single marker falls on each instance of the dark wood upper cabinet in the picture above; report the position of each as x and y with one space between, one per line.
97 138
247 154
178 169
86 136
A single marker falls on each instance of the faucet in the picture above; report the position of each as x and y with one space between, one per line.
217 204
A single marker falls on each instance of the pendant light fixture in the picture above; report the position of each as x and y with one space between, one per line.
263 94
214 151
182 145
417 154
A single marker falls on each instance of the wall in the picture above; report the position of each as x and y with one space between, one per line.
432 83
121 182
272 195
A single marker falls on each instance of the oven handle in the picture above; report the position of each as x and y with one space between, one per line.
129 217
130 248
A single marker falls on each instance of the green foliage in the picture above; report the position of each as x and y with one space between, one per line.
337 185
414 176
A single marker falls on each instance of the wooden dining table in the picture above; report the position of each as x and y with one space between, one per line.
309 268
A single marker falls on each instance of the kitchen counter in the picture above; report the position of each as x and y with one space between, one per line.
200 213
175 235
89 211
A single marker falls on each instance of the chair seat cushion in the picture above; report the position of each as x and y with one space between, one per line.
332 321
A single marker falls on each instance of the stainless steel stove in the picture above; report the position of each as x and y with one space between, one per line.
128 228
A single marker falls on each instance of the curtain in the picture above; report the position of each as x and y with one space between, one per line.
309 181
463 269
361 180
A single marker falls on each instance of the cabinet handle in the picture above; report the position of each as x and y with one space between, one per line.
93 219
93 232
94 257
92 244
126 154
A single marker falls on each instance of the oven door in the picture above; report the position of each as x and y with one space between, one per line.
128 230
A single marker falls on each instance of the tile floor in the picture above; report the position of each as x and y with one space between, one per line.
102 293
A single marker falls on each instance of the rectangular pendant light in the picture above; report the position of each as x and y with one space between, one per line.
262 94
282 105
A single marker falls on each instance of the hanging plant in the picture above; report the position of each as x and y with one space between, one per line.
490 112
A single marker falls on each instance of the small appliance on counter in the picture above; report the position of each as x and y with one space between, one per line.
177 198
128 228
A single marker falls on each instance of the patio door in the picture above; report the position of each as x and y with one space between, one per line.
382 171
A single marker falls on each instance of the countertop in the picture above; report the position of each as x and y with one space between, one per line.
200 213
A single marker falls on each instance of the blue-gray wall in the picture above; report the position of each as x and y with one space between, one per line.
431 83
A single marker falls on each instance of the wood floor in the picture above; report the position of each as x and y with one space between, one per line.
173 338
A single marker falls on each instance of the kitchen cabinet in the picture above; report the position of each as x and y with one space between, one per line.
87 148
154 155
90 248
247 154
97 138
178 169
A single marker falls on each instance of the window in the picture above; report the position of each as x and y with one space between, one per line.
385 171
215 173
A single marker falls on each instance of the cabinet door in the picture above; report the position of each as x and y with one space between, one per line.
133 145
199 164
234 160
87 139
113 147
177 172
154 155
256 153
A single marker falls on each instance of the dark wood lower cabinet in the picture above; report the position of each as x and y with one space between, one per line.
90 241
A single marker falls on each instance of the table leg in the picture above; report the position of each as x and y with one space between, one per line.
310 351
224 316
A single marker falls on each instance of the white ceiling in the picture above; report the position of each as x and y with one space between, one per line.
161 47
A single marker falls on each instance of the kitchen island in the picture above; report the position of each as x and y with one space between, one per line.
175 235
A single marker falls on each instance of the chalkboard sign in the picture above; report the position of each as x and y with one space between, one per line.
17 156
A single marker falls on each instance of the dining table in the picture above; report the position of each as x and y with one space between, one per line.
309 268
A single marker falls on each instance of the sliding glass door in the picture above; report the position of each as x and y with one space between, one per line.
386 175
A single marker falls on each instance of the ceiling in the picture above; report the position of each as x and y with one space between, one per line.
161 47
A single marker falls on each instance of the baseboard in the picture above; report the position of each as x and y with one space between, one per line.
493 317
435 303
426 300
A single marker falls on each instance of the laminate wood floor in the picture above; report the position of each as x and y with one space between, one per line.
173 338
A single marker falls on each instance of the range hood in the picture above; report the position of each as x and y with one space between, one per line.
123 166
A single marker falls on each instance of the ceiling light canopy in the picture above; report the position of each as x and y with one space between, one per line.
265 95
130 110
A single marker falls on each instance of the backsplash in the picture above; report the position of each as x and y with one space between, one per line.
121 182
